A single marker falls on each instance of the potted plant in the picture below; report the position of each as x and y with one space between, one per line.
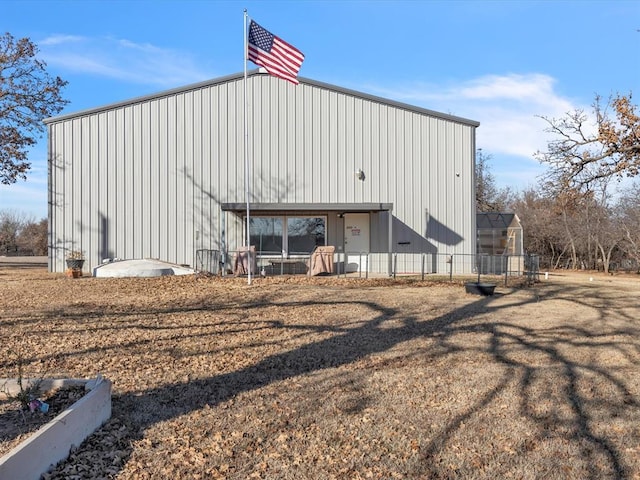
75 262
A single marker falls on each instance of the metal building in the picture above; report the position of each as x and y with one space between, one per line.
163 176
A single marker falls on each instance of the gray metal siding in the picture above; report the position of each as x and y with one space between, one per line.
146 179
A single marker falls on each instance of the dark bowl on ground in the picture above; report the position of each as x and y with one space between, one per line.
478 288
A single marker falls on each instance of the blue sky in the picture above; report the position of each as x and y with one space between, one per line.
502 63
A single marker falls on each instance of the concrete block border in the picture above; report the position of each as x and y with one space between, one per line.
53 442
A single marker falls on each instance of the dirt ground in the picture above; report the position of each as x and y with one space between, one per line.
324 378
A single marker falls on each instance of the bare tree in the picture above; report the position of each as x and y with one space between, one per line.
603 229
489 197
11 223
22 235
539 224
577 229
582 153
33 238
628 209
28 94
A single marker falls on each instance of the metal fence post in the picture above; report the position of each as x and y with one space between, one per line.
451 268
395 264
422 266
366 270
506 269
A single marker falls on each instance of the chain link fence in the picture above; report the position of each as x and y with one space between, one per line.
365 264
209 261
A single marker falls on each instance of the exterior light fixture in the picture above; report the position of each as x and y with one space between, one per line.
359 174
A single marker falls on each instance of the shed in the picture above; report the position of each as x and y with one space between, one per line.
499 234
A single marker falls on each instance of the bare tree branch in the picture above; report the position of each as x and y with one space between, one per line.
583 154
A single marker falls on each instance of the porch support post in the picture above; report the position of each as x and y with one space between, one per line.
390 229
222 243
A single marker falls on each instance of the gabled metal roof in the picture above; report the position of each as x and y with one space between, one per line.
495 220
252 73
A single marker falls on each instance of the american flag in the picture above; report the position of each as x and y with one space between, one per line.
274 54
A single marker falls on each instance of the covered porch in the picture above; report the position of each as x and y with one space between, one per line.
284 235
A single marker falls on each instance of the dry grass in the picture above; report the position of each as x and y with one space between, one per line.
322 378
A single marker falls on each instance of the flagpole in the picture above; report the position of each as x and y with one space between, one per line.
246 152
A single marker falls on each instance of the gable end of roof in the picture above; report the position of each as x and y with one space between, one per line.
252 73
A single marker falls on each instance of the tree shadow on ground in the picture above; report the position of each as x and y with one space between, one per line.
508 344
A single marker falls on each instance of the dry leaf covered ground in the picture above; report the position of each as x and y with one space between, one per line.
327 378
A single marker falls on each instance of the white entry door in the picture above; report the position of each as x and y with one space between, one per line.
356 241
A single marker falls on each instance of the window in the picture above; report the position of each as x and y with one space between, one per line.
266 234
288 235
304 234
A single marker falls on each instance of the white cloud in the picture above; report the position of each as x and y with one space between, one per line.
503 130
123 60
60 39
529 88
